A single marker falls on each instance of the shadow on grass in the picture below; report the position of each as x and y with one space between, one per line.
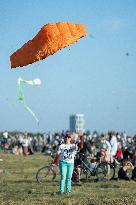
28 181
109 186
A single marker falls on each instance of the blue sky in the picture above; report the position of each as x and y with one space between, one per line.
95 77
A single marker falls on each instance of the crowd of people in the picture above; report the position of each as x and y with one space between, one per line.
109 150
28 143
111 146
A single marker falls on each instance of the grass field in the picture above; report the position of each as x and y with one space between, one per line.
18 186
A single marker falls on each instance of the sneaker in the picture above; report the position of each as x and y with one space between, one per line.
68 193
57 193
61 193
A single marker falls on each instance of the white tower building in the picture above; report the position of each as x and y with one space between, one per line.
77 123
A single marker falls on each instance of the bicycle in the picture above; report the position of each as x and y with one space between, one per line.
94 168
100 170
48 173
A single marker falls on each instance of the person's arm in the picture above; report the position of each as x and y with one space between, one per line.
57 156
130 165
76 147
108 147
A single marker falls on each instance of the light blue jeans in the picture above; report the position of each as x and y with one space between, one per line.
66 171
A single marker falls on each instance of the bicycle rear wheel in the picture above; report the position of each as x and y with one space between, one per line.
45 175
84 174
105 171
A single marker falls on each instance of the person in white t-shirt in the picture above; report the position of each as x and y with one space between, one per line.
114 145
66 153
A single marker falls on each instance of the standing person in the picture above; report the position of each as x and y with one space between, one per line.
19 142
105 148
25 144
114 145
119 154
84 148
5 141
66 152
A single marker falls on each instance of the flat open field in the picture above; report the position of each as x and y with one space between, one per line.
18 186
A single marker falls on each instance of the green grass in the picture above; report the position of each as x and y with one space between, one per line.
18 186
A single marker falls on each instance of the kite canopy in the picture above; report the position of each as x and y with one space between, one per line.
51 38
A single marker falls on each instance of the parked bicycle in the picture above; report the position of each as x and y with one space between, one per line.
93 168
90 168
48 173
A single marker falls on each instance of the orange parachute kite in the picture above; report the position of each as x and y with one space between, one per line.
51 38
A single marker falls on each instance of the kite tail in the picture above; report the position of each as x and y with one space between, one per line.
22 97
32 113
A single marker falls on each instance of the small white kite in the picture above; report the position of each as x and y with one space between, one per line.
35 82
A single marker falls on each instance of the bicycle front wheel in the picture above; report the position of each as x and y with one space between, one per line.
105 171
45 175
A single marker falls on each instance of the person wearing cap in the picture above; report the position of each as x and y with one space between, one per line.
66 153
